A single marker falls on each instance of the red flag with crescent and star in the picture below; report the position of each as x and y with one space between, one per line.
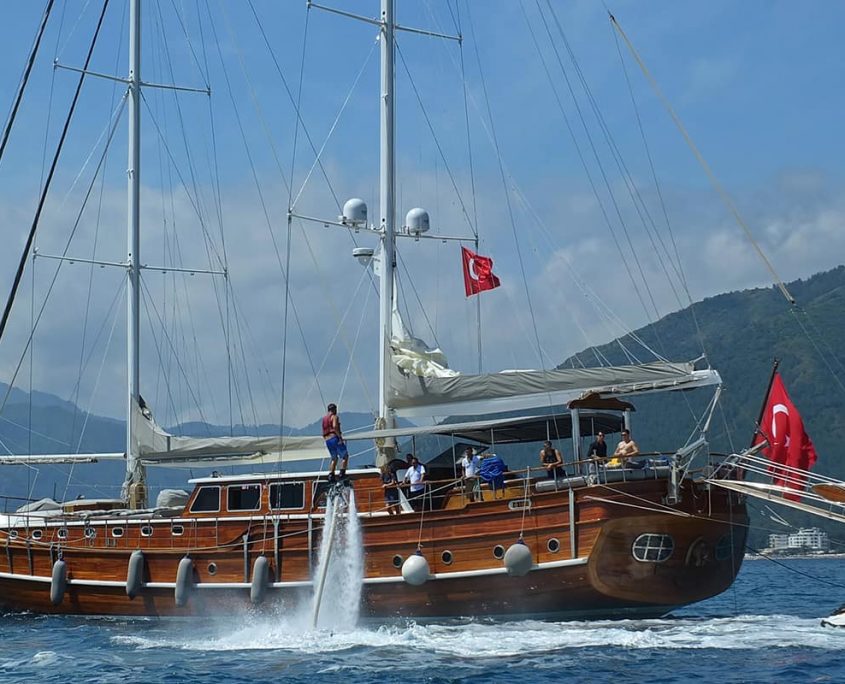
789 443
478 272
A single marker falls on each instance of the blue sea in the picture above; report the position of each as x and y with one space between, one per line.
766 628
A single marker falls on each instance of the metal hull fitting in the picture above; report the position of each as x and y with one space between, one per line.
602 580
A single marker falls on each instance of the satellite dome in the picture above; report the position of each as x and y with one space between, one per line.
354 212
416 221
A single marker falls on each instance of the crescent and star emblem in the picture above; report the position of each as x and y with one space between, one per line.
779 408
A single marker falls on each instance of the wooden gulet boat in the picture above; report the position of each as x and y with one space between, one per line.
600 543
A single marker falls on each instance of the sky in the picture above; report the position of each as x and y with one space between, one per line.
596 214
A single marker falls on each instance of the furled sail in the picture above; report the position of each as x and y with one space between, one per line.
416 395
157 447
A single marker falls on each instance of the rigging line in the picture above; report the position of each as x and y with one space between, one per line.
437 144
37 320
85 317
150 302
43 435
633 191
507 196
602 173
79 17
31 237
191 199
190 44
714 181
7 129
417 296
319 153
818 350
93 394
293 101
586 168
831 351
355 341
298 108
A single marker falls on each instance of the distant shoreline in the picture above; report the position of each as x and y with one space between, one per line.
790 556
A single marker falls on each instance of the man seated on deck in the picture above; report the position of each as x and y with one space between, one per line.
415 475
626 449
470 464
552 461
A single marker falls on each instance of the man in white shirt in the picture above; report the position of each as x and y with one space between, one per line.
470 464
415 475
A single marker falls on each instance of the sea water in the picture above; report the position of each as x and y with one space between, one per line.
764 629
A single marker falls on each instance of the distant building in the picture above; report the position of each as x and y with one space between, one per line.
805 539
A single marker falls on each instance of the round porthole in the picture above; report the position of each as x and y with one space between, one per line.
146 531
37 534
397 561
13 534
62 534
90 533
553 545
498 551
117 532
446 557
212 568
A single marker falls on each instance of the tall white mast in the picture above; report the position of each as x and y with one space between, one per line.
133 486
387 207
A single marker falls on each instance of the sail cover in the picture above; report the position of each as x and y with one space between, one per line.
415 395
155 446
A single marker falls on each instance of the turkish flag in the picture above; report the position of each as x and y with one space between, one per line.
478 272
789 444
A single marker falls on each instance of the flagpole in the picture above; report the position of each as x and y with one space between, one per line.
775 365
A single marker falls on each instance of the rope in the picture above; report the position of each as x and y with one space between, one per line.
726 198
31 237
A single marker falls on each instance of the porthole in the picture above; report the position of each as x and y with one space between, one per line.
90 533
117 532
724 548
498 551
13 534
146 531
699 554
397 561
446 557
653 548
553 545
37 534
62 533
177 530
212 568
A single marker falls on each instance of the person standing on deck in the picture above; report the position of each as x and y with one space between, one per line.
334 441
415 476
552 461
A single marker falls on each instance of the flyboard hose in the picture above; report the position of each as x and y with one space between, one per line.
336 494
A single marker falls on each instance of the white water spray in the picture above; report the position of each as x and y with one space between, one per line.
340 569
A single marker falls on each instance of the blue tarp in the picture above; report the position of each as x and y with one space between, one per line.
493 471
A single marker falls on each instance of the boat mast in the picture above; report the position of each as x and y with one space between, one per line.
387 207
133 486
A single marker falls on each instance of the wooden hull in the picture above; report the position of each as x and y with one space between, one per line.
581 543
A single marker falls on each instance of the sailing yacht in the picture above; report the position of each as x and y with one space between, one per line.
593 542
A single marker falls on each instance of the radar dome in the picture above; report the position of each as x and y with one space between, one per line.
416 221
354 212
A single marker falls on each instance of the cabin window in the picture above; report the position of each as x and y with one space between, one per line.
90 533
446 557
498 552
13 534
207 500
117 532
553 545
62 534
146 531
653 548
397 561
244 497
212 568
319 496
37 534
177 530
287 495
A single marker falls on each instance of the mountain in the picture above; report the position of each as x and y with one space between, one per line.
740 332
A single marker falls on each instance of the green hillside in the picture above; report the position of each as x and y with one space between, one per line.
742 332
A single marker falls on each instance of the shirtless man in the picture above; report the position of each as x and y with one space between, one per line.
627 448
334 441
